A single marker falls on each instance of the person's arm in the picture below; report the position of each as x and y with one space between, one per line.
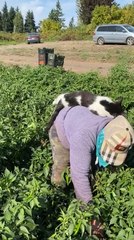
81 147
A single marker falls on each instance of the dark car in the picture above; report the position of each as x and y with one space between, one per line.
33 37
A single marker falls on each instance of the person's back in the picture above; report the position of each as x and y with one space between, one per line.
77 129
78 120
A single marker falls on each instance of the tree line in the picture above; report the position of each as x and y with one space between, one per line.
84 12
86 7
89 12
12 20
95 12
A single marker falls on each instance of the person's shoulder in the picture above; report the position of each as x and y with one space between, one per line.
81 108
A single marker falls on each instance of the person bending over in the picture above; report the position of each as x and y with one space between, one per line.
78 135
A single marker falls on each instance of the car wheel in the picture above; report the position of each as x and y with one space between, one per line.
100 41
130 41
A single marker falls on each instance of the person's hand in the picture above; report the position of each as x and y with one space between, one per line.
97 228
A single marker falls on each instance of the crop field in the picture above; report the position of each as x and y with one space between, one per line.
30 206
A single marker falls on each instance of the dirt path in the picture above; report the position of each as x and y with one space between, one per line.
83 67
80 56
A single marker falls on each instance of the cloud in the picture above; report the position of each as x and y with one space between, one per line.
69 10
34 5
123 2
41 9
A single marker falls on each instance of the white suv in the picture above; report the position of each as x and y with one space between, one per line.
114 33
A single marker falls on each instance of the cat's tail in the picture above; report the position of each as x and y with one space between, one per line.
59 98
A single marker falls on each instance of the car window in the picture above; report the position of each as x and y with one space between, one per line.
120 29
111 28
102 29
129 28
33 34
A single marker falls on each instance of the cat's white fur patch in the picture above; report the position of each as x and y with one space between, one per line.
99 108
78 99
61 98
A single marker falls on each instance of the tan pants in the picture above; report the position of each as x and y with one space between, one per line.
60 158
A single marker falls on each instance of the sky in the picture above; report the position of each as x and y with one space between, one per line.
41 8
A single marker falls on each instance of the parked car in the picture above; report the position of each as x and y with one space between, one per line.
33 37
114 33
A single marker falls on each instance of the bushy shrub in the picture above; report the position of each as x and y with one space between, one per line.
76 33
12 37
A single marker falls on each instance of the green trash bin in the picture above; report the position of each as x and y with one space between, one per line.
51 59
55 60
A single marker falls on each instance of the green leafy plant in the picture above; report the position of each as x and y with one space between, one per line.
30 206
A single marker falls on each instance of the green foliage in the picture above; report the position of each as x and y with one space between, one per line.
122 77
74 222
118 192
48 26
127 14
0 21
71 23
86 7
29 22
101 14
18 22
56 15
84 10
105 14
5 18
68 34
116 14
12 38
11 18
76 33
114 201
112 14
30 207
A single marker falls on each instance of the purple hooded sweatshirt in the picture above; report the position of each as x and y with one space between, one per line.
77 129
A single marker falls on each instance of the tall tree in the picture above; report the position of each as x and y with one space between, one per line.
18 22
71 23
105 2
17 10
29 22
60 13
53 15
85 8
11 19
57 15
5 18
1 21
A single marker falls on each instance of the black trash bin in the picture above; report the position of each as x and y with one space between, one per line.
60 60
55 60
43 55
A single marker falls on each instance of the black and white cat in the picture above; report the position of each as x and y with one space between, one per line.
100 105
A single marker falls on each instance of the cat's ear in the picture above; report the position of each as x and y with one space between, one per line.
119 100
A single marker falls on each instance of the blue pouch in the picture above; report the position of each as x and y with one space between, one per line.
99 142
